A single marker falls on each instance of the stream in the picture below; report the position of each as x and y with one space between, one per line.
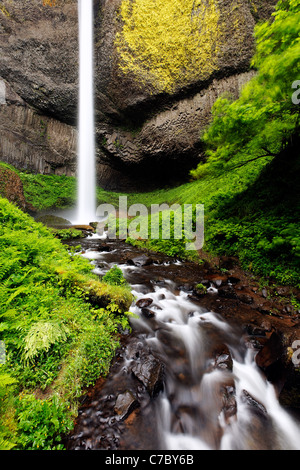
185 378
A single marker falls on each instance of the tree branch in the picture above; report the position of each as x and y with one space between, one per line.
270 154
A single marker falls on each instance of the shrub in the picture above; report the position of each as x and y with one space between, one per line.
41 423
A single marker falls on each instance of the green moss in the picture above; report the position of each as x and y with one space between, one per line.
59 325
168 44
4 10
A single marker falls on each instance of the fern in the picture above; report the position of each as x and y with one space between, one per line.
5 381
18 291
41 336
5 444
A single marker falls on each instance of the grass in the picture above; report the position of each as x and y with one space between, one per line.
60 327
49 191
250 212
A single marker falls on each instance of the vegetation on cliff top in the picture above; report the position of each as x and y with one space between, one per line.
263 121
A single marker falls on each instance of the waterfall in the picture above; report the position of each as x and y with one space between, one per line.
86 208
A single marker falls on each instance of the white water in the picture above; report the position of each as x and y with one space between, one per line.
204 405
86 210
285 431
191 417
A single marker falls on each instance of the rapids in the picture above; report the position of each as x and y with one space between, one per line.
213 396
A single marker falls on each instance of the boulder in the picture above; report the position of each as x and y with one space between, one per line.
229 402
245 298
142 303
254 404
53 221
149 371
142 260
271 352
223 359
227 292
148 313
126 403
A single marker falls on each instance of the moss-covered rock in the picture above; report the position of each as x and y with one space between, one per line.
11 187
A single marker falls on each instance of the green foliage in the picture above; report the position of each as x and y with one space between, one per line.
41 422
167 231
262 121
67 233
54 338
201 289
5 381
7 386
115 277
41 336
49 191
263 247
92 358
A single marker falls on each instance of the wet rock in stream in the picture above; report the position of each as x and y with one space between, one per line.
125 404
147 313
271 352
143 303
229 407
142 260
150 372
224 361
254 404
135 379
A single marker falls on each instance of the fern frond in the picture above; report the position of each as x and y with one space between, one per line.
5 381
41 336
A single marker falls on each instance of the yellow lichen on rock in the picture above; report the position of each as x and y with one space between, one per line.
168 43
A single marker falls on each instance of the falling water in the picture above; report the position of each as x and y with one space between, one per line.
86 209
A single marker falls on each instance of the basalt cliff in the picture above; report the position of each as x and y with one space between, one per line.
159 67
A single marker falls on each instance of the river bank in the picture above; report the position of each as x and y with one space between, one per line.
237 318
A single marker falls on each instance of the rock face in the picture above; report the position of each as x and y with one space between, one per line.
11 188
39 86
33 141
157 74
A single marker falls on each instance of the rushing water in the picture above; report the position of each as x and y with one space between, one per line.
86 146
191 412
214 395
